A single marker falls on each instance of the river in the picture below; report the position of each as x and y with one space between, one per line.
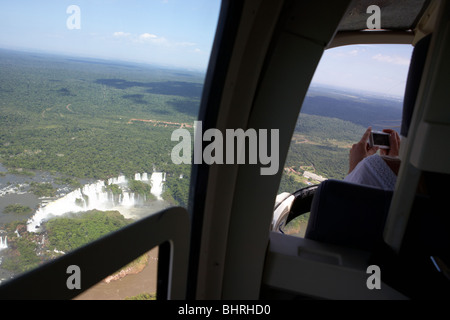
129 286
14 188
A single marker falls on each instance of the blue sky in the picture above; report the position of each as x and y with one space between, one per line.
176 33
374 68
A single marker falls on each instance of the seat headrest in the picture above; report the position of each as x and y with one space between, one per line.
348 214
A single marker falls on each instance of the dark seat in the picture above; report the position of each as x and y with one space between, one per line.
348 214
354 216
420 269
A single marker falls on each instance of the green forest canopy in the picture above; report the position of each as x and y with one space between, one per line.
72 116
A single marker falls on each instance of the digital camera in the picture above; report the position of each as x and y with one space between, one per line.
379 139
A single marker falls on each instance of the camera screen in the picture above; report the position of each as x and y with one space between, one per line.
380 139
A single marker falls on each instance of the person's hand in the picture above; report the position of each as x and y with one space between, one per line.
394 140
361 150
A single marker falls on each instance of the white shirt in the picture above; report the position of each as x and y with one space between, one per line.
373 171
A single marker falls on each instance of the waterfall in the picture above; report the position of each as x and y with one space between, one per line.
141 177
96 196
3 243
119 180
157 182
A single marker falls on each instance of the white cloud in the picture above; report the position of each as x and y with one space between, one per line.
150 38
391 59
147 36
121 34
344 52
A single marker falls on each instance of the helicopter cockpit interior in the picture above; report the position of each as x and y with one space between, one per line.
361 242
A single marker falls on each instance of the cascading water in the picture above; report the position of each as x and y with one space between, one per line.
3 243
157 181
97 196
141 177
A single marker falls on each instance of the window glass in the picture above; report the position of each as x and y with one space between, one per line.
90 93
135 281
354 87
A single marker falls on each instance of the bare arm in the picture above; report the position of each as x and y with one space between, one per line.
361 150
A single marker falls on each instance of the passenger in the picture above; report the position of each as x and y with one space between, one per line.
368 168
